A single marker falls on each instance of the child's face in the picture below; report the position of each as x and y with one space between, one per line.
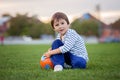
61 26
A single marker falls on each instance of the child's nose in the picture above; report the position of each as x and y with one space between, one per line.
60 26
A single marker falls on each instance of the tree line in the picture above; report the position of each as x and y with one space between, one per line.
32 26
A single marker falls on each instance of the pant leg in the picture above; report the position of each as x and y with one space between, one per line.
57 58
67 58
77 62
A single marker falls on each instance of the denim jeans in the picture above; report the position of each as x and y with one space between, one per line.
68 58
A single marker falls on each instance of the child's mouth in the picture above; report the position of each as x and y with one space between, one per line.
61 30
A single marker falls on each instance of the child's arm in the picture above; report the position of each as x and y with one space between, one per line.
52 52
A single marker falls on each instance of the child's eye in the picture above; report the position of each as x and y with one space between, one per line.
57 25
62 23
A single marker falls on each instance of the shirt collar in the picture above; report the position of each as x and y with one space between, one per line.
58 36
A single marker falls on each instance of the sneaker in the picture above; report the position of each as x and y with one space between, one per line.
58 68
66 66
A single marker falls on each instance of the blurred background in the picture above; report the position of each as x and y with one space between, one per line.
28 21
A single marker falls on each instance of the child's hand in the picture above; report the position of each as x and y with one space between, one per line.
47 54
49 49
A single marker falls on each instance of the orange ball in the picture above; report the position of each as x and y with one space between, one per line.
46 63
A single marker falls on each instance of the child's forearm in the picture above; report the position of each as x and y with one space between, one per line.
55 51
52 52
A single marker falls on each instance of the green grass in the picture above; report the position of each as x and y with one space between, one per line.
21 62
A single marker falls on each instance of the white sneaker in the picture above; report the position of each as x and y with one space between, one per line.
58 68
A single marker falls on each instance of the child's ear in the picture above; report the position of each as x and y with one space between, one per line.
69 25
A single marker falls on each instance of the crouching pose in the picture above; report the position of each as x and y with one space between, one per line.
68 48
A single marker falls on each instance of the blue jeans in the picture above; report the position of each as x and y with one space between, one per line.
69 58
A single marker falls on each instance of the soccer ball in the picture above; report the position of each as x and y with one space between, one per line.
46 63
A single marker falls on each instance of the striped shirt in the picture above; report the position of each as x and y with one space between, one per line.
74 44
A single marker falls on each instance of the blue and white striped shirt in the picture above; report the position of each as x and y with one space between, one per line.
74 44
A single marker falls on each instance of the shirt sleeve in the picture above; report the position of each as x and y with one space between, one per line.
70 41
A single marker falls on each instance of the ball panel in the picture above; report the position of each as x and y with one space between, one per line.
47 66
46 63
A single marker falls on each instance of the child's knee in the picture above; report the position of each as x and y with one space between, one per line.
56 44
57 41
